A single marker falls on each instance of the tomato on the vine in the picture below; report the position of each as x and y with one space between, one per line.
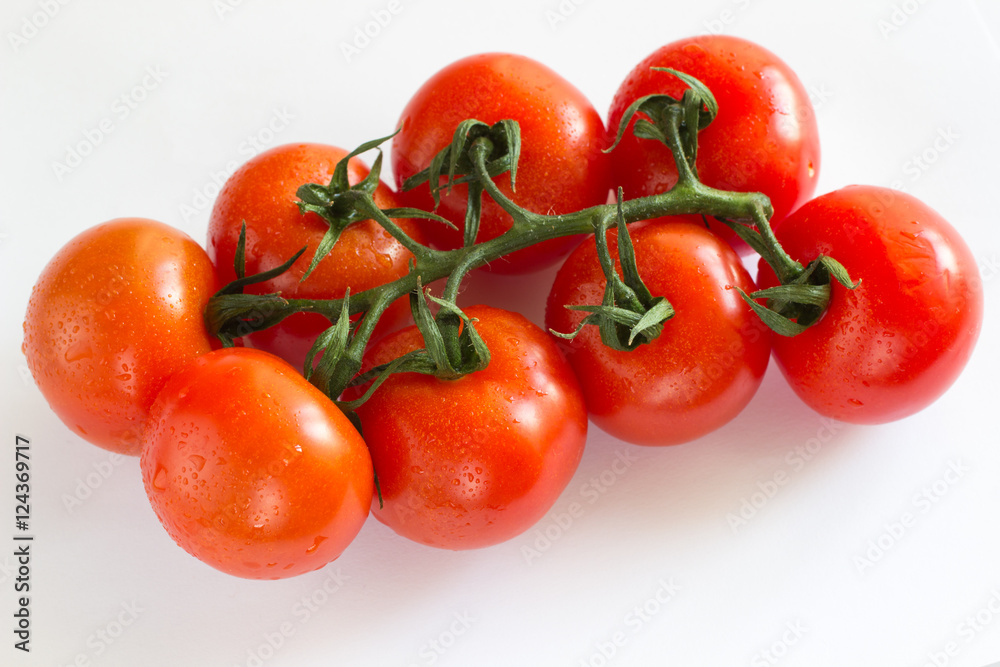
704 367
764 138
113 315
473 462
261 193
562 167
895 343
253 470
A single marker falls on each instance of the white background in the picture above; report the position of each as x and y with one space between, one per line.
846 563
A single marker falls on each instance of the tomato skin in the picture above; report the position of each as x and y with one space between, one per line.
704 367
561 170
893 345
262 193
251 469
113 315
764 138
469 463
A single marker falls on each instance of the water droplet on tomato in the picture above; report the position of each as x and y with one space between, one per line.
160 478
78 352
197 461
315 545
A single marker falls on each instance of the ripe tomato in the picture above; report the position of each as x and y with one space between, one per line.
764 138
262 194
115 313
253 470
473 462
561 170
894 344
704 367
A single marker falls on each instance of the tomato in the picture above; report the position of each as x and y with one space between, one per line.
473 462
561 170
894 344
262 194
251 469
703 368
764 138
113 315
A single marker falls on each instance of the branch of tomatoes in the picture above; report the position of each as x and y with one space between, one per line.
629 314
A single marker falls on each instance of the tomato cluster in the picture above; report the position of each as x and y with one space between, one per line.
259 473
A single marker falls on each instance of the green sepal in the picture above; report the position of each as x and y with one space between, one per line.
337 211
339 181
240 260
797 305
657 106
629 315
407 212
236 286
453 165
332 343
776 322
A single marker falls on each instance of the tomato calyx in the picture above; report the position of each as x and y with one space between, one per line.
793 307
674 123
231 314
499 145
629 314
341 204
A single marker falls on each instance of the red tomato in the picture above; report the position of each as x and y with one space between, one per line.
262 194
764 138
113 315
704 367
893 345
561 170
252 470
473 462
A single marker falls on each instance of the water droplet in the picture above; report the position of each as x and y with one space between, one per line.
315 545
160 479
78 352
197 461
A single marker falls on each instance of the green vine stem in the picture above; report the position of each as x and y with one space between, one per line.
478 153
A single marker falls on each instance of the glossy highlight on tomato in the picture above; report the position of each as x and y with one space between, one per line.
562 168
113 315
261 193
473 462
253 470
704 367
893 345
764 138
